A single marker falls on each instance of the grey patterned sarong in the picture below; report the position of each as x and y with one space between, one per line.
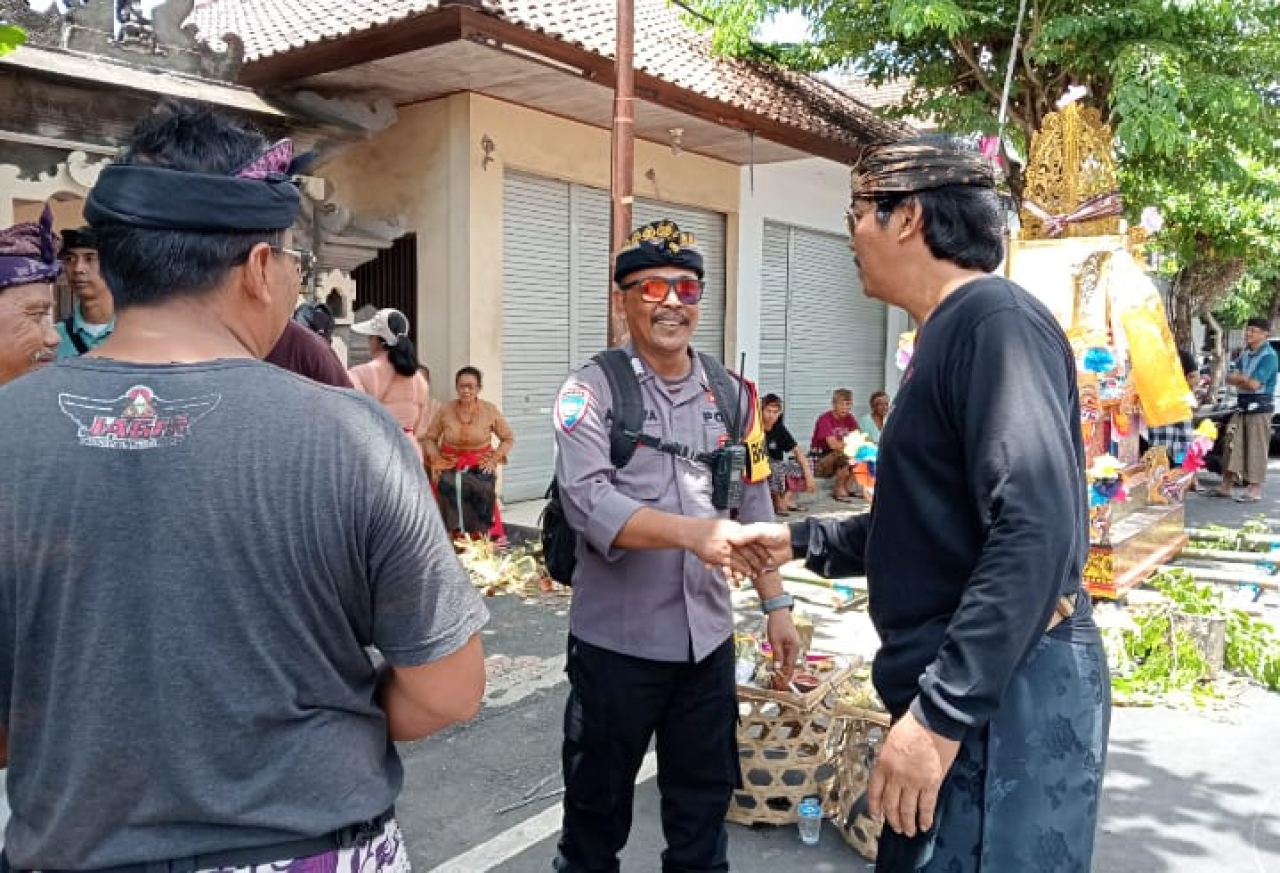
1022 796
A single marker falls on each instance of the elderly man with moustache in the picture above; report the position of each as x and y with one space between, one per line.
28 268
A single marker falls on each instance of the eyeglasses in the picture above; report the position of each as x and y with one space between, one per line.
656 288
305 259
852 218
884 207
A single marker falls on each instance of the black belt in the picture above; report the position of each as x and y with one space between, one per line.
343 838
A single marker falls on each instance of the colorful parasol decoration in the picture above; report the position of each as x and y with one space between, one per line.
1151 220
862 454
1206 436
858 447
906 348
1106 481
1099 359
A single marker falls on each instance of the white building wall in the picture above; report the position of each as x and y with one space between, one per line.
812 193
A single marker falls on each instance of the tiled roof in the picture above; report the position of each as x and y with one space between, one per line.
887 96
877 96
276 27
665 47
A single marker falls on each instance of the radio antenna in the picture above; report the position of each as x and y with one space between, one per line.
737 411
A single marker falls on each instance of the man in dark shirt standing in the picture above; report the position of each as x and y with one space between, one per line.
305 352
990 663
651 624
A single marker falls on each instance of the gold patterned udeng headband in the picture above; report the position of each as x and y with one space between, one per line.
663 233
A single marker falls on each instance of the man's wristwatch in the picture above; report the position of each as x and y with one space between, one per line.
781 601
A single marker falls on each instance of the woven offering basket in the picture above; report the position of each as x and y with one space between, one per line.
788 746
845 801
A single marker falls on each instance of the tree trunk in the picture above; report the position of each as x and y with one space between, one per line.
1217 360
1199 288
1180 310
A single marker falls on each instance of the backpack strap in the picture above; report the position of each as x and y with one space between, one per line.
744 425
68 327
628 404
728 392
626 430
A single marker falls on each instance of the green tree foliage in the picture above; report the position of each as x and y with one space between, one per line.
1191 87
11 36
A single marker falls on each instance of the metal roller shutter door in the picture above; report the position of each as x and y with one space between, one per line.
590 303
535 324
834 336
773 310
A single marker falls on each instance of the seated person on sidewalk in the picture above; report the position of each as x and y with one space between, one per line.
878 415
827 444
786 475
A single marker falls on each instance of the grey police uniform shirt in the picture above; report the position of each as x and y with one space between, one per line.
193 560
659 604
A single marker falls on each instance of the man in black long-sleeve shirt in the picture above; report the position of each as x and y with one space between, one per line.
990 662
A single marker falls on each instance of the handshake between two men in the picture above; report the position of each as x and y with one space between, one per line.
753 553
756 549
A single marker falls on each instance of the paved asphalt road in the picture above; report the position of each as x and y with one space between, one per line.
1186 791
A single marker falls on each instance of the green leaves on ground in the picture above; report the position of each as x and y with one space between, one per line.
11 36
1160 655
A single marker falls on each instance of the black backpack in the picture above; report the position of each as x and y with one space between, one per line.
559 540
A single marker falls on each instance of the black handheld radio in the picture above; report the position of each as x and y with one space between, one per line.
730 460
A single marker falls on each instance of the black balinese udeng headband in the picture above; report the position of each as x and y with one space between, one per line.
259 196
657 244
911 166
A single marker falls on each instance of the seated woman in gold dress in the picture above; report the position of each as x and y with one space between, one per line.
463 460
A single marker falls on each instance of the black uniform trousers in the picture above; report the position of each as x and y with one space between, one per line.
617 703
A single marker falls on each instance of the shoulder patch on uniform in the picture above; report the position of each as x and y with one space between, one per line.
571 406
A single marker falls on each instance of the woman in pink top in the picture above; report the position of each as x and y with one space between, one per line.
392 376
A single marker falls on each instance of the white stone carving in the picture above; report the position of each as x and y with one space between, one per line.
71 178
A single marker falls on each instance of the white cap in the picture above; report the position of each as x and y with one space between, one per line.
380 326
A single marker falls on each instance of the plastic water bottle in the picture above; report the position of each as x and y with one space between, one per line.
810 821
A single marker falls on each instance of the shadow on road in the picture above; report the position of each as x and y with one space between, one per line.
1165 812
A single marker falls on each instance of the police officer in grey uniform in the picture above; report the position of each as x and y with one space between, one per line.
651 623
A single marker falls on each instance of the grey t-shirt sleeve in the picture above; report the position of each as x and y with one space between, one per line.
423 603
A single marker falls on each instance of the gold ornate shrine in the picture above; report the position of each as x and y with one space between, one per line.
1071 162
1074 256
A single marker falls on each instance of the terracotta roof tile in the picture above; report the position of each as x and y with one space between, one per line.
887 96
666 47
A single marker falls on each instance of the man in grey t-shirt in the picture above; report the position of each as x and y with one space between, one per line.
197 549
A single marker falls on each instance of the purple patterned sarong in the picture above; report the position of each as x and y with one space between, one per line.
383 853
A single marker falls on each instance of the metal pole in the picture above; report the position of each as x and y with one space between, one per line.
624 152
1008 75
